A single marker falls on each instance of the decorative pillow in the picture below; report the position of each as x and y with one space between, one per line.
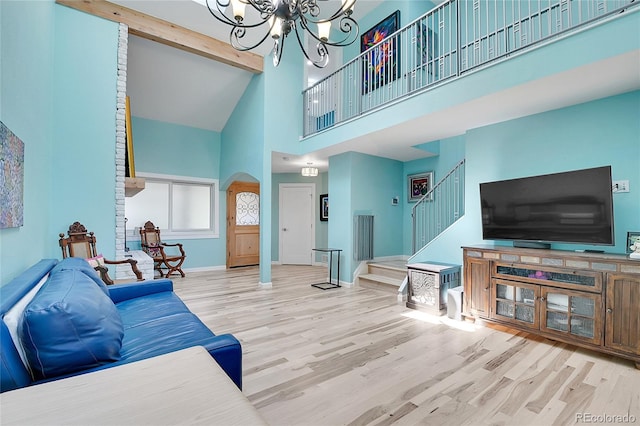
96 261
70 325
154 250
80 264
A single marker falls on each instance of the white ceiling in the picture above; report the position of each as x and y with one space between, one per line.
173 86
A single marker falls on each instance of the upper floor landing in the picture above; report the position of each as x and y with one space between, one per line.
466 64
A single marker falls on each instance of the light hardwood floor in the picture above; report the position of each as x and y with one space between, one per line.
354 356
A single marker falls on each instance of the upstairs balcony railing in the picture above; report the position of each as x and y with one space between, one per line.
450 40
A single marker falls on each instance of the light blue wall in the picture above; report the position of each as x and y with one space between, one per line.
157 145
375 182
321 228
283 127
243 158
365 184
450 152
58 96
84 132
242 138
340 212
598 133
26 85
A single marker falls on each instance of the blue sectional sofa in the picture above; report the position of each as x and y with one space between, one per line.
60 320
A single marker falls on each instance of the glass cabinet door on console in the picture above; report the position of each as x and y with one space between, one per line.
515 302
556 277
571 313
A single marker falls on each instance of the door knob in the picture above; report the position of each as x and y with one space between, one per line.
284 229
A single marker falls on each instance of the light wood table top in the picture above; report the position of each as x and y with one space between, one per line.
183 387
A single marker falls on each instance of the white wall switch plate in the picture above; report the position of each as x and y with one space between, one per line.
620 186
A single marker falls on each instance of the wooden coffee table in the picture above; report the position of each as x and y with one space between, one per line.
183 387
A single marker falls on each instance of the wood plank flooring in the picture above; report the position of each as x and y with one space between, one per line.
354 356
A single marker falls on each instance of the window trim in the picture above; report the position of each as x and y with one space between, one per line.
132 235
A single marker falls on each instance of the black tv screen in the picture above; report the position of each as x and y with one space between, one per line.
568 207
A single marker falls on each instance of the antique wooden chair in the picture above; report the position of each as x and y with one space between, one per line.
80 243
154 247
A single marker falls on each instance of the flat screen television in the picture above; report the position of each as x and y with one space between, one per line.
568 207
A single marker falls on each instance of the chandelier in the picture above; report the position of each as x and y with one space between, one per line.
278 18
309 171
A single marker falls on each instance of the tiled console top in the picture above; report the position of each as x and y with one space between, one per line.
606 262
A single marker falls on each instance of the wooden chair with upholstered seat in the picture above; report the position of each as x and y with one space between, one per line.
80 243
152 245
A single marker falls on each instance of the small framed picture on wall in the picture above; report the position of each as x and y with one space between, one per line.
324 207
419 185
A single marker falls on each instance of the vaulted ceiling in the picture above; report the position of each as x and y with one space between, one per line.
178 87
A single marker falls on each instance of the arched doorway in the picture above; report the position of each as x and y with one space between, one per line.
243 224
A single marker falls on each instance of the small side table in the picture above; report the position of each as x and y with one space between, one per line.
329 284
429 283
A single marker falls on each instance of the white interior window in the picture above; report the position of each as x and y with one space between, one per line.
183 207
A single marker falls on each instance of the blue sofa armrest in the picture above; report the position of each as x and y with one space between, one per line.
227 352
120 292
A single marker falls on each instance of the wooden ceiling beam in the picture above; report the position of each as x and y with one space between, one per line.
165 32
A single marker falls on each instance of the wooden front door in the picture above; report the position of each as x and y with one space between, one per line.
243 224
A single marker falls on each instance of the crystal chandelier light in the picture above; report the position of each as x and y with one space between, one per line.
279 17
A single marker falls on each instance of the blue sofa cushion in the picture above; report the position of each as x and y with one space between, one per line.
70 325
80 264
140 310
167 333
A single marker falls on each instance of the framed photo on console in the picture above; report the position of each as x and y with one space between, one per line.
633 240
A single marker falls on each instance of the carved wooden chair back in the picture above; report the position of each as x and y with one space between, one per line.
150 239
80 243
152 244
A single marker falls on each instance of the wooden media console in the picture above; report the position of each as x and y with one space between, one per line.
590 300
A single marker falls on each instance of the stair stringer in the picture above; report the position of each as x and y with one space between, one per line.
426 253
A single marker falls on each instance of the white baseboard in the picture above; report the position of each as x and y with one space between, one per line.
206 269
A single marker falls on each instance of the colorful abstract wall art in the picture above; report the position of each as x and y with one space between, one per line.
380 64
11 179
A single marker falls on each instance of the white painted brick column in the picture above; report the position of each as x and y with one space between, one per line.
123 47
